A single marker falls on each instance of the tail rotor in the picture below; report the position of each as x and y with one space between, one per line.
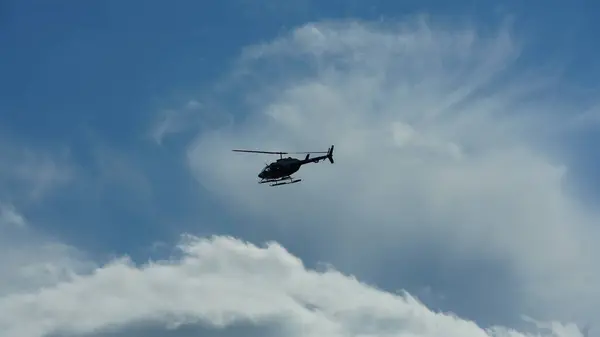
330 154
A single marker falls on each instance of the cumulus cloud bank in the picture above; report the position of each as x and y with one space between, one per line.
210 285
439 152
221 281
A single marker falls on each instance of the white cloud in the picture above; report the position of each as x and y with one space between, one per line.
10 217
119 171
48 288
170 122
31 260
435 131
222 281
193 115
29 173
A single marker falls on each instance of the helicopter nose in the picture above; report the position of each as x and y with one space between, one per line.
261 175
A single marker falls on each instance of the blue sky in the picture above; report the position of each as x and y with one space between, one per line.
92 79
81 73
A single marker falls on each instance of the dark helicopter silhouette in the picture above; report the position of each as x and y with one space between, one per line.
282 169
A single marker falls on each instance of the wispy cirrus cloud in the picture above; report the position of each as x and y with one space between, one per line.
31 259
437 131
30 173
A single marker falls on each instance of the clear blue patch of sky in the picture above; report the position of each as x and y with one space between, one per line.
69 69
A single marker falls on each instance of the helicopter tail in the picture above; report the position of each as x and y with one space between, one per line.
330 154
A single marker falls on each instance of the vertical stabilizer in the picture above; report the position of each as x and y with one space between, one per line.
330 154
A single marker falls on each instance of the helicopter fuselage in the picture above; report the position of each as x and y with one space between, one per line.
283 167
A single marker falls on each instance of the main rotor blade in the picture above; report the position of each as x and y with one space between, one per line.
273 152
253 151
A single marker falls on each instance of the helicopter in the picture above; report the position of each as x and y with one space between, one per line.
280 171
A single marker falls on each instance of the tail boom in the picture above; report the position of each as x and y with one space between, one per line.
328 156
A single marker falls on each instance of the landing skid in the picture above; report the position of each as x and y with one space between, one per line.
280 181
287 182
